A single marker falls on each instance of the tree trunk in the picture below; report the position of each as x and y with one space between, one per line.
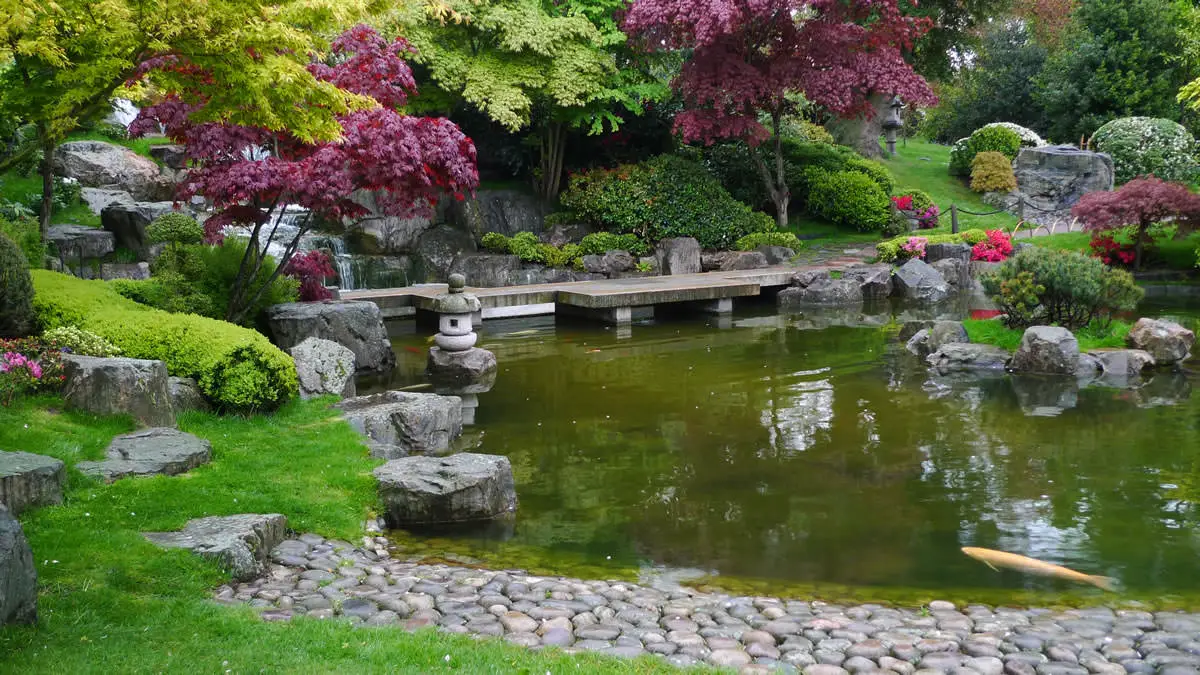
553 145
47 181
862 132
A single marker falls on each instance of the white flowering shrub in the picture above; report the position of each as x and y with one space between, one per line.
1140 146
82 342
960 157
1029 137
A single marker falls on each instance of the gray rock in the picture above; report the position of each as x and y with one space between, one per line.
18 576
402 423
128 221
138 271
776 255
956 272
561 235
729 658
149 452
985 665
118 386
105 165
76 242
874 280
1054 177
908 329
1166 341
486 270
928 340
680 255
611 262
241 543
824 669
505 211
823 292
958 357
1122 363
937 252
170 155
1046 349
324 367
436 250
458 488
473 370
378 232
805 278
185 395
98 198
916 281
355 325
28 480
728 261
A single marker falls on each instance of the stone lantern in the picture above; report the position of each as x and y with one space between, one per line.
892 123
455 362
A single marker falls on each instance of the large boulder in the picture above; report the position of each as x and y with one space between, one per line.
241 543
486 270
936 252
98 198
610 263
679 255
728 261
73 243
1166 341
874 280
324 367
1122 363
436 250
18 576
917 281
956 272
436 490
128 221
398 424
1047 349
185 395
823 292
1052 178
119 386
357 325
472 369
928 340
170 155
149 452
967 356
28 480
378 232
776 255
104 165
505 211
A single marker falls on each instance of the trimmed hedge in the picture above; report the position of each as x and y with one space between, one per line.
850 199
751 242
237 369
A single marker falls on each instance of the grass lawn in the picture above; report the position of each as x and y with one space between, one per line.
1167 252
923 165
1092 336
110 601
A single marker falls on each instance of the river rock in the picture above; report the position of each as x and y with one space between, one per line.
928 340
75 242
18 576
324 367
1166 341
119 386
105 165
401 423
185 395
916 281
357 326
458 488
241 543
823 292
436 250
149 452
679 255
486 270
874 280
473 369
776 255
958 356
128 221
28 480
1122 363
1053 177
1047 349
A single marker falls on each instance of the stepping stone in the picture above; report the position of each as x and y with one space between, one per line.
241 543
149 452
434 490
27 480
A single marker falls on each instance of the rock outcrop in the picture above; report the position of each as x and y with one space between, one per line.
486 270
104 165
18 576
916 281
465 487
436 250
119 386
128 222
1052 178
356 325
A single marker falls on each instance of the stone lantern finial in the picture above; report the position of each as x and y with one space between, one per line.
456 361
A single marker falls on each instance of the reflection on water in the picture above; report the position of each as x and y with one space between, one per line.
774 450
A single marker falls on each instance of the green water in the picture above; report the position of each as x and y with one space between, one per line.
828 458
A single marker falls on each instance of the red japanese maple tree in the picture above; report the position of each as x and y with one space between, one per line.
745 56
1141 202
252 175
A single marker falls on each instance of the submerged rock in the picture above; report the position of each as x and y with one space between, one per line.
928 340
823 292
965 356
474 370
436 490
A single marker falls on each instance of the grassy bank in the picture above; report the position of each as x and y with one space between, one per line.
112 602
1166 253
1092 336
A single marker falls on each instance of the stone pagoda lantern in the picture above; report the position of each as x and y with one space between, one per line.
892 123
455 363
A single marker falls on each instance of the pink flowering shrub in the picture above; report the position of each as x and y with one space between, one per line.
996 248
914 248
18 374
311 269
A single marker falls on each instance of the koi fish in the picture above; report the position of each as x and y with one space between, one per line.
994 559
415 350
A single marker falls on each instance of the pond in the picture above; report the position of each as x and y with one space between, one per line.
774 454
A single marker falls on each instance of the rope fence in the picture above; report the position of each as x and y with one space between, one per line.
1022 223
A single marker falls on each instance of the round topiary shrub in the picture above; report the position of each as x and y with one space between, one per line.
1029 137
991 138
752 241
1143 146
851 199
992 172
16 292
495 242
175 228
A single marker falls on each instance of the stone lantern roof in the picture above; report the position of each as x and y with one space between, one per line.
456 301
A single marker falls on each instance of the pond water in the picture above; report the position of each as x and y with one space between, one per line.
770 450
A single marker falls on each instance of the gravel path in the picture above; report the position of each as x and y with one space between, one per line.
323 578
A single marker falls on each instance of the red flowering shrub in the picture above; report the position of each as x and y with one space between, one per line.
903 202
996 248
1141 202
1111 251
311 270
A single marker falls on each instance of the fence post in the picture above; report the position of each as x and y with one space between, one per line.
954 218
1020 209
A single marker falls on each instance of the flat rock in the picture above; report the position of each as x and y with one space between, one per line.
1046 349
18 576
356 325
149 452
458 488
1166 341
98 198
823 292
324 367
241 543
119 386
75 242
405 423
958 357
138 271
28 480
1122 363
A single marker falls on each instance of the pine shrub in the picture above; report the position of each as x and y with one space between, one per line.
16 292
992 172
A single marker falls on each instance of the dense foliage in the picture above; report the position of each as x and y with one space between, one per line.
892 250
850 199
919 205
175 228
1144 146
236 368
996 248
16 292
752 241
79 341
992 172
1141 202
667 196
599 243
1041 286
989 138
23 231
311 270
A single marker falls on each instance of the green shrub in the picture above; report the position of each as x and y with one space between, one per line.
16 292
1141 146
875 171
552 256
175 228
897 223
990 138
992 172
81 341
66 194
524 245
666 196
237 369
890 250
960 157
599 243
851 199
1029 137
494 242
1044 286
753 241
27 235
805 131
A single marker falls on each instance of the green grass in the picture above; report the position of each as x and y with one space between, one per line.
1167 252
17 188
139 145
110 601
923 165
1092 336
